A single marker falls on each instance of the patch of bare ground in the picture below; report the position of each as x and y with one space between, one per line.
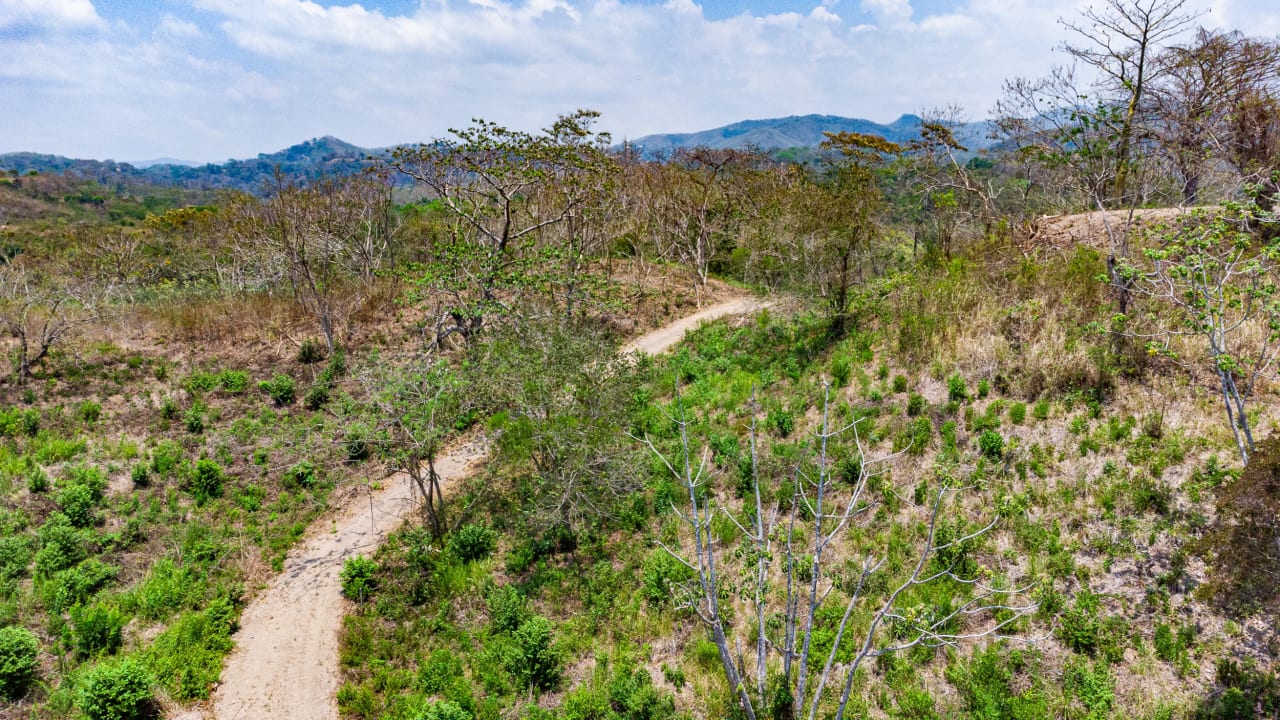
1093 228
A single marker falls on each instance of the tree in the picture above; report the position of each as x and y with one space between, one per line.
41 308
561 395
501 189
1222 288
414 409
810 579
324 242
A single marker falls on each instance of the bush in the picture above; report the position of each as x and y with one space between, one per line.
193 419
89 412
116 691
78 504
507 610
61 545
660 577
535 661
316 397
781 421
915 404
233 382
37 479
280 388
96 629
840 371
310 352
358 578
443 710
956 389
1017 413
473 542
187 657
899 383
19 651
205 480
991 444
140 475
15 555
301 475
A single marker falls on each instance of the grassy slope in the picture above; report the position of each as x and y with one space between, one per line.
1101 485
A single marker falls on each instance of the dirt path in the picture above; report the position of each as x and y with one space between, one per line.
285 665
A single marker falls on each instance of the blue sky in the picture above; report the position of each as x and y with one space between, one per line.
208 80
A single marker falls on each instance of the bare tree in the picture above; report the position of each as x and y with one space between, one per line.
810 581
40 309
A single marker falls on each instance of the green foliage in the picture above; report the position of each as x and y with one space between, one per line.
19 658
317 397
957 391
661 578
280 388
303 475
533 658
899 383
62 545
991 444
233 382
1084 630
443 710
15 555
989 682
311 351
358 578
781 422
916 404
1092 684
193 418
1247 692
507 609
118 690
205 480
917 436
473 542
841 369
187 657
16 422
625 692
166 458
96 629
1041 410
140 475
200 382
89 412
75 585
1017 413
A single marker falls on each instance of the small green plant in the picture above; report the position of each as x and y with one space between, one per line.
205 480
661 576
443 710
140 475
358 578
1017 413
37 479
280 388
916 404
473 542
310 352
899 383
301 475
841 369
97 630
116 691
317 396
782 422
233 382
89 412
193 419
536 661
957 391
19 655
984 388
507 609
991 444
200 382
1041 410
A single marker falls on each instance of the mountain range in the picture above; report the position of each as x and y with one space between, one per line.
331 156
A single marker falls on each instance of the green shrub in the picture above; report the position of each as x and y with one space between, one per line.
781 421
507 610
193 419
37 479
473 542
15 422
358 578
78 504
89 412
301 475
916 404
280 388
200 382
622 692
205 480
75 585
233 382
96 629
991 444
1248 693
15 556
19 656
916 440
899 383
535 661
61 545
840 371
317 397
1041 410
310 351
956 389
116 691
443 710
1017 413
661 576
140 475
187 657
166 457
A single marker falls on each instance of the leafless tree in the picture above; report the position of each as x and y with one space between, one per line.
40 309
832 510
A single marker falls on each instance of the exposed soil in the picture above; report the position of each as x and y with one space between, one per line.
285 665
1094 228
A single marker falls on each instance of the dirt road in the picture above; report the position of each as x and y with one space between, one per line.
285 665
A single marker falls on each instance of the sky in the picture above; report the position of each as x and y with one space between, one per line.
209 80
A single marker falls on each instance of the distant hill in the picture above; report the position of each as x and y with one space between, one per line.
796 131
305 161
792 138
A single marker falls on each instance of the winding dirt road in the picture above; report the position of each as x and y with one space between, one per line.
285 665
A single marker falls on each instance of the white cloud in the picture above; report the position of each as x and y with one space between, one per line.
257 75
57 14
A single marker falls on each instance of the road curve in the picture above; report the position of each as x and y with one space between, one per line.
285 665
